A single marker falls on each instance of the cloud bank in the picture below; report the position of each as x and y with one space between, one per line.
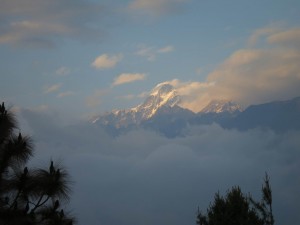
144 178
251 75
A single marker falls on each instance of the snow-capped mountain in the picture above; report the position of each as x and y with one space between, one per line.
161 111
162 96
220 106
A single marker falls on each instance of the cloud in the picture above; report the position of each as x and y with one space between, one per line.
252 75
193 93
63 71
257 34
148 52
105 61
64 94
34 23
128 78
150 179
166 49
151 52
156 7
132 96
289 37
53 88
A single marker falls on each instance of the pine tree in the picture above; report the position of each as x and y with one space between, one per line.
264 207
237 208
28 196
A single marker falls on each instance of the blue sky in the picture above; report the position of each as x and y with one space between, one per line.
82 58
73 59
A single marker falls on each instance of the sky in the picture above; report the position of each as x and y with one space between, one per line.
65 61
82 58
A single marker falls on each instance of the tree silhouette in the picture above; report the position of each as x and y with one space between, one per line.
264 207
28 196
237 208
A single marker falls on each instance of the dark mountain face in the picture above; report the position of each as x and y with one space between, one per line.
278 116
169 121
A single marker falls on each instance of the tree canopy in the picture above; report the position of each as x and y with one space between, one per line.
236 208
28 196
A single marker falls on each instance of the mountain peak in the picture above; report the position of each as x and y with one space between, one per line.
219 106
163 94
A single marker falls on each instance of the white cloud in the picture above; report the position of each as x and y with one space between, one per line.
166 49
193 94
151 52
105 61
128 78
64 94
251 75
53 88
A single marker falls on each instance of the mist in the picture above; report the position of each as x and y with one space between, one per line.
143 177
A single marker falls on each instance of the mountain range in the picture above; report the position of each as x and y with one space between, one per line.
161 111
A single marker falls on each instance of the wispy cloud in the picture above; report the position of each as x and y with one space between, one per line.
52 88
132 96
151 52
65 94
105 61
287 37
156 7
128 78
166 49
262 32
43 23
126 97
63 71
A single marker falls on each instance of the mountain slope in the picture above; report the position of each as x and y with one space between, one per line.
278 115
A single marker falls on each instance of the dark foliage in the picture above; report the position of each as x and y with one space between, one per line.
237 208
28 196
